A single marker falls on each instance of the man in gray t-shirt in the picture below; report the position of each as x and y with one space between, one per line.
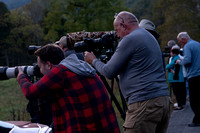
138 62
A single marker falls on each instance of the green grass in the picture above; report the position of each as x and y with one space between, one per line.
12 102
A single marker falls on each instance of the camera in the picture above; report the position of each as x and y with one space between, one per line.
32 49
100 46
166 52
12 72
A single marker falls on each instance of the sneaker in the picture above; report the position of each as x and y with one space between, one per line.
179 108
175 104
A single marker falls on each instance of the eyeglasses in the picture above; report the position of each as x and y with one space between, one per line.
116 15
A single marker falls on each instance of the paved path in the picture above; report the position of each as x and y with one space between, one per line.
179 121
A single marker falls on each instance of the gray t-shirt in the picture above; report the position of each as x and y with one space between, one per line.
138 62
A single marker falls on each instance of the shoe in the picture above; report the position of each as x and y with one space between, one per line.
194 125
175 104
179 108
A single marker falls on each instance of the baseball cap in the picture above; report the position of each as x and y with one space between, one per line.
147 24
62 41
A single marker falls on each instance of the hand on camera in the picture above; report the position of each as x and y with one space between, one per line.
20 71
89 57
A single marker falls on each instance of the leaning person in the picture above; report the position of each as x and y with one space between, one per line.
138 62
80 101
191 61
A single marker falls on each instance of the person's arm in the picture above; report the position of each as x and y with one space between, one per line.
171 65
117 62
187 56
41 87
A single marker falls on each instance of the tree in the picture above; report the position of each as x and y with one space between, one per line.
5 27
35 10
174 16
23 34
65 16
4 23
140 8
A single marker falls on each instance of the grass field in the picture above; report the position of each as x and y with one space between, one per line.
13 103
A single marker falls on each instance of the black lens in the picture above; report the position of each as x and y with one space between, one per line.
32 49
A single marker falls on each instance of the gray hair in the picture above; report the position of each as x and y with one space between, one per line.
171 43
183 35
63 41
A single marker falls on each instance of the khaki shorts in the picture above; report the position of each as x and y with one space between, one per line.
151 116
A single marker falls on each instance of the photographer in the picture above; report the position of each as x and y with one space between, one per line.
80 101
138 62
63 43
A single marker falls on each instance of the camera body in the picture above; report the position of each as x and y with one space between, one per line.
12 72
102 47
166 52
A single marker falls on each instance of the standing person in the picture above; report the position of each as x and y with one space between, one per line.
168 48
149 26
191 61
80 101
138 62
176 78
170 44
67 49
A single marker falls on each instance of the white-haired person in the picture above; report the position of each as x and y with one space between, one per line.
191 61
176 78
138 62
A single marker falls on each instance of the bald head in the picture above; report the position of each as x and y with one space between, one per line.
127 18
124 23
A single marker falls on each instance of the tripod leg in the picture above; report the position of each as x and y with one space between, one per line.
123 114
122 97
112 86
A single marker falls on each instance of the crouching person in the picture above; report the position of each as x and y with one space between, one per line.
80 100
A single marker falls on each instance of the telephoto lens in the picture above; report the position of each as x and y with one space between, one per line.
12 72
32 49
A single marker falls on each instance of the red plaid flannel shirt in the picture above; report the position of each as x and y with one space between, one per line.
81 104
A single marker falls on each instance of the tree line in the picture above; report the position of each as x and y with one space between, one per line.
45 21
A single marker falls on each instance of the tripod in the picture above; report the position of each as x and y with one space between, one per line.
110 91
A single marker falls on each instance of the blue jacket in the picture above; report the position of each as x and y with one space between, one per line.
171 65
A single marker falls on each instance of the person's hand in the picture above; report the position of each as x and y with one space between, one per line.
89 57
177 61
172 71
19 71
